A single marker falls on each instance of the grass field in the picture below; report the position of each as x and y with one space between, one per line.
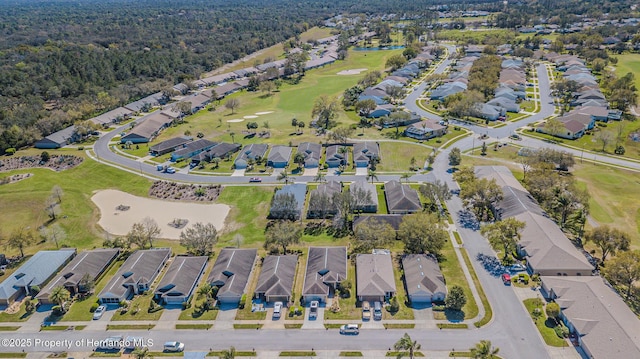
478 36
547 332
628 63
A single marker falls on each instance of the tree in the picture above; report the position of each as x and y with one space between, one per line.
151 230
395 62
301 126
229 354
57 192
183 107
232 104
553 310
435 191
233 135
59 295
341 134
609 240
624 270
483 350
44 156
53 233
605 138
284 176
422 233
267 86
52 207
86 283
370 79
554 127
373 234
321 205
141 353
371 174
299 159
283 234
406 347
325 109
199 239
284 206
455 157
456 299
350 96
483 151
481 196
505 234
364 107
135 236
19 239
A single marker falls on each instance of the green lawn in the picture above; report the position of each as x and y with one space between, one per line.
547 332
26 199
382 202
628 63
248 215
138 310
452 271
348 308
19 316
396 156
405 311
478 36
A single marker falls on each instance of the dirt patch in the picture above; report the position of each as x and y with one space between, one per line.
184 192
55 162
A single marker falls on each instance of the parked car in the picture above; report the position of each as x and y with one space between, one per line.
277 310
160 167
173 347
255 179
350 329
377 311
366 311
506 278
99 312
313 310
170 170
517 268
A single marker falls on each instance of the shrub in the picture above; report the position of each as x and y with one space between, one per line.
394 306
35 290
81 148
10 151
56 310
93 308
186 305
438 308
620 150
561 331
243 301
29 306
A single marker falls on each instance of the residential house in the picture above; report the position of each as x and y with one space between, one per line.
506 103
311 152
375 281
547 250
181 279
423 279
250 153
111 117
572 129
364 152
221 150
393 220
298 191
275 283
401 199
597 113
372 204
170 145
321 202
224 90
58 139
336 156
135 276
231 273
153 100
600 321
197 101
279 156
147 128
489 112
191 149
326 268
88 264
381 111
182 88
35 272
425 130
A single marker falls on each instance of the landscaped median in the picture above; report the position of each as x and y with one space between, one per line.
543 323
220 353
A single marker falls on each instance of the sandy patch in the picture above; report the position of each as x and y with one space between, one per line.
119 222
236 120
250 116
263 113
351 72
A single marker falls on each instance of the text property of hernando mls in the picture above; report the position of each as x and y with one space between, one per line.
108 343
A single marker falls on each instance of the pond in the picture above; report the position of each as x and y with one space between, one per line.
377 48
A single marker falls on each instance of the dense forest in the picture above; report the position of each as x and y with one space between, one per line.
62 61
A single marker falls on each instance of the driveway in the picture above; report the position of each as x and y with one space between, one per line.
362 171
311 172
238 173
226 317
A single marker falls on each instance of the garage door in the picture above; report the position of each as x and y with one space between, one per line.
421 298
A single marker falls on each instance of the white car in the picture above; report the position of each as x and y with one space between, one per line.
174 347
99 312
350 329
313 310
277 310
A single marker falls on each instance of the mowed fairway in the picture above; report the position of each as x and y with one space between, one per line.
291 101
629 63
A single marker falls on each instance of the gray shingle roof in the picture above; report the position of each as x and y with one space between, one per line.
151 125
181 277
422 275
92 262
608 328
142 266
252 151
35 271
324 265
191 147
548 249
393 220
232 269
401 197
366 186
109 117
61 137
280 154
312 153
374 274
171 143
277 275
